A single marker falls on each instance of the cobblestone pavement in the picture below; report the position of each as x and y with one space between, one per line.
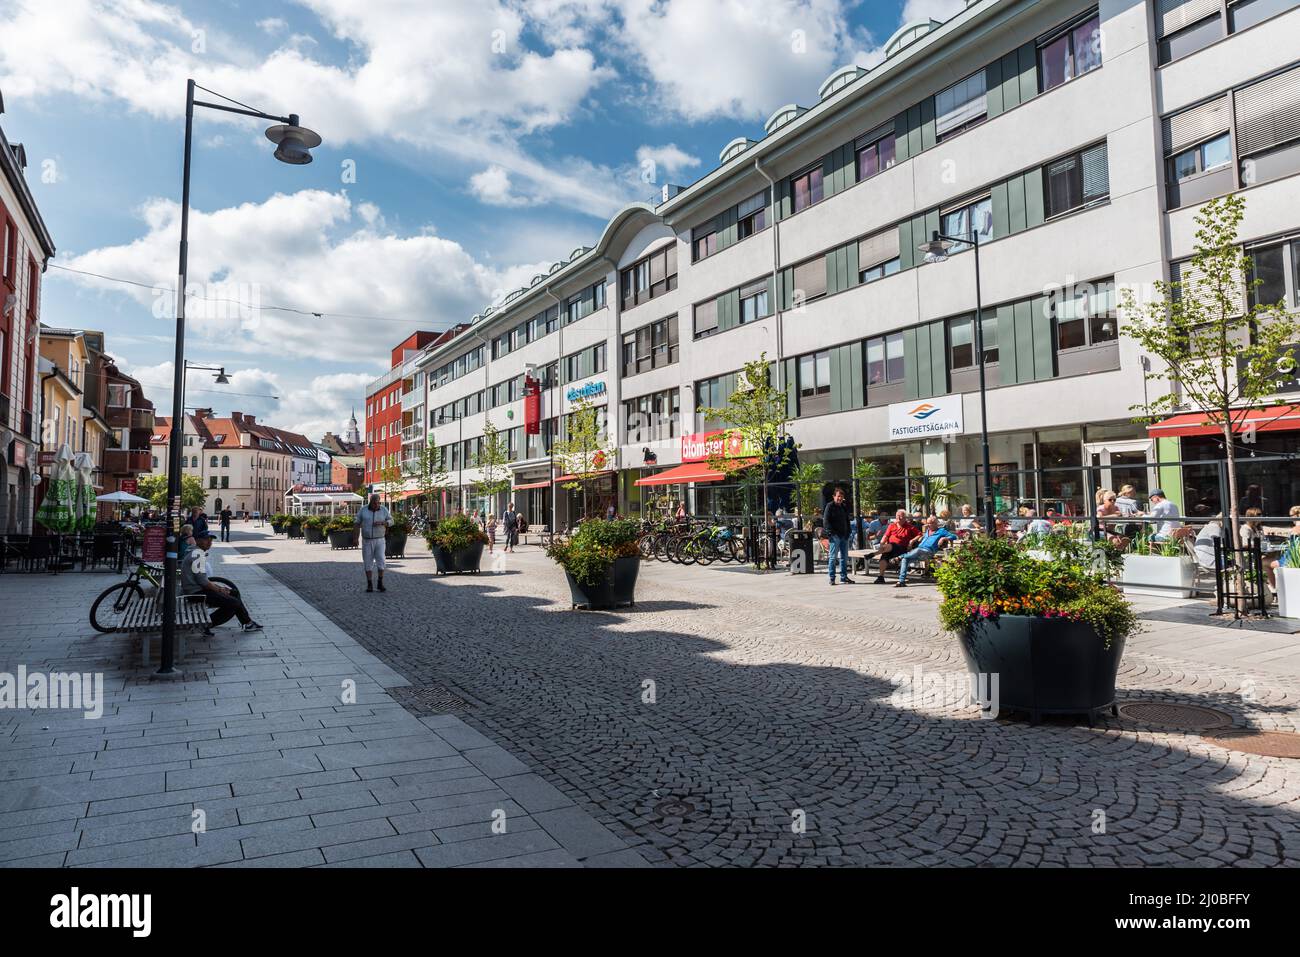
778 734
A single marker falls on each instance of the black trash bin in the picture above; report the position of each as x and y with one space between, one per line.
801 551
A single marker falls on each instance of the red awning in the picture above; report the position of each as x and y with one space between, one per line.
1277 418
527 485
574 478
691 472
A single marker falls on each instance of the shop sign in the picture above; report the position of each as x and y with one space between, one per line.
532 406
323 488
1287 371
926 418
130 486
588 390
724 443
154 546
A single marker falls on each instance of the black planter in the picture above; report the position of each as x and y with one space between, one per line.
617 587
343 539
277 527
295 531
1043 665
462 560
313 534
395 543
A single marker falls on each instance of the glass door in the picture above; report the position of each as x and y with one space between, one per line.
1124 463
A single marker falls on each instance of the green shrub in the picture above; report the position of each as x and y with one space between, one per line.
984 578
400 521
455 533
314 521
341 523
594 546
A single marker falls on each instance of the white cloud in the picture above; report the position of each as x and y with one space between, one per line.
661 161
493 186
273 25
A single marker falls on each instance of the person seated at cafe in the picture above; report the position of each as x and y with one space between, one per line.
1107 508
935 537
867 527
185 543
1035 525
968 524
1283 561
898 538
1203 545
783 524
1167 511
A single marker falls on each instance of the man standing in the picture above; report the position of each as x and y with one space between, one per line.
837 520
195 581
511 522
374 520
226 516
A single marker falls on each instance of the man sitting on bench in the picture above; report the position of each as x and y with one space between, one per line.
194 581
932 539
901 534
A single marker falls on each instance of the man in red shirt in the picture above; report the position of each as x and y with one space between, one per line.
897 539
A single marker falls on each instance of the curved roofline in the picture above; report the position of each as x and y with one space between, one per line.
794 108
929 23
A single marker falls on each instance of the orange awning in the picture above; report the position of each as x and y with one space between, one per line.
527 485
1277 418
691 472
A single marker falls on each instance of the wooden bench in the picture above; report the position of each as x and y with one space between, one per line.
144 617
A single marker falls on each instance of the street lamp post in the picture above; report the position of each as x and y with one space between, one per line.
293 146
936 250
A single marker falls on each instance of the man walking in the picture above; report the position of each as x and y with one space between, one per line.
836 520
226 516
374 520
195 581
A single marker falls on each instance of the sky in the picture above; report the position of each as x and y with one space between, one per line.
468 145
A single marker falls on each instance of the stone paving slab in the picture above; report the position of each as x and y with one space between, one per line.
256 736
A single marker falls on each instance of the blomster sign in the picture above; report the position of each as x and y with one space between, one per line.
724 443
926 418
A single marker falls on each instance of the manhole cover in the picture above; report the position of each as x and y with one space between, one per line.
433 699
1175 717
1270 744
674 808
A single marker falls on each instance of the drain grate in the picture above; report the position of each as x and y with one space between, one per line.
431 699
1174 717
675 808
1269 744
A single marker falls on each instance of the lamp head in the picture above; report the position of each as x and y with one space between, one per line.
221 377
936 250
294 143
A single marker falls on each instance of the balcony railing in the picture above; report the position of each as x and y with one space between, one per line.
413 399
413 433
127 461
124 417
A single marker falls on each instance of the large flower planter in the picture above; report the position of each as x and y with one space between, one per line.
462 560
295 531
1159 576
1042 665
395 543
313 534
343 539
277 527
1288 592
618 587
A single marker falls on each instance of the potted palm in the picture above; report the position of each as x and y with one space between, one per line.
1162 569
342 532
1048 634
313 529
396 534
457 544
601 561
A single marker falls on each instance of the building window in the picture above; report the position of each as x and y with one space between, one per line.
810 280
806 188
976 218
815 383
584 303
225 481
1086 317
1077 180
878 256
961 105
706 318
651 277
650 347
961 342
155 461
212 482
875 153
1202 158
751 216
1247 13
754 301
212 462
1271 268
885 359
704 242
1071 52
652 418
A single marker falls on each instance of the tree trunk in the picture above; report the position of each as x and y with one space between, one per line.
1232 533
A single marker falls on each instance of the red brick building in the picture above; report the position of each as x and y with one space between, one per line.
384 407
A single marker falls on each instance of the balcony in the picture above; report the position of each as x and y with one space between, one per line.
124 417
413 433
412 400
127 461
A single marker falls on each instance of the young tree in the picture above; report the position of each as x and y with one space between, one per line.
493 463
584 450
757 411
154 488
391 481
430 475
1220 355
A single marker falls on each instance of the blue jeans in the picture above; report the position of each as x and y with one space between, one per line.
915 555
839 546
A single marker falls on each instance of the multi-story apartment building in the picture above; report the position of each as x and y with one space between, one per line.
1076 139
25 248
395 430
241 463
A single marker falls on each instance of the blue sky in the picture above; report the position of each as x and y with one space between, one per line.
468 145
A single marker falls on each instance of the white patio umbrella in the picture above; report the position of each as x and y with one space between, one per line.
122 498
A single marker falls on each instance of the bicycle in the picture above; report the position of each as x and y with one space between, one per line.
110 617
